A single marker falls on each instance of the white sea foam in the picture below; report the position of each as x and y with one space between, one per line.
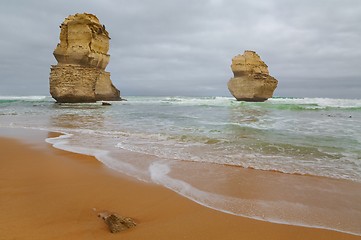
123 167
308 103
24 98
319 103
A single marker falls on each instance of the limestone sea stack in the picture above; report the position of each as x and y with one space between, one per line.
251 81
82 56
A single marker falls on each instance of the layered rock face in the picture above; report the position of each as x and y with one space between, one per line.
251 81
82 56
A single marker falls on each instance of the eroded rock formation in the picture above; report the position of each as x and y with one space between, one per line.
82 56
251 81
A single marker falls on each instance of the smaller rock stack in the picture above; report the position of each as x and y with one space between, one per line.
251 81
82 56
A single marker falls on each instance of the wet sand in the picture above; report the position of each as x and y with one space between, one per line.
47 193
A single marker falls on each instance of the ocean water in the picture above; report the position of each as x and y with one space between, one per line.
203 149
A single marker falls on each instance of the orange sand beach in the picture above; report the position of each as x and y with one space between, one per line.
46 193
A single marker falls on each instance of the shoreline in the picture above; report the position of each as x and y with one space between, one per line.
50 194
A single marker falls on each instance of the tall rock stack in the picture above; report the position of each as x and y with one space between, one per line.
82 56
251 81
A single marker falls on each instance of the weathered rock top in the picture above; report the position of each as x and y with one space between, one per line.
248 63
83 41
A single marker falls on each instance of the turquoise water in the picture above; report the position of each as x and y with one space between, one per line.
302 136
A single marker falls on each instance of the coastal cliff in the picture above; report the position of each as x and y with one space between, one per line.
251 81
82 57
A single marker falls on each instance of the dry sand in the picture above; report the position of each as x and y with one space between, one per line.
47 193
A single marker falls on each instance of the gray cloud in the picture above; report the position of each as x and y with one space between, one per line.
185 47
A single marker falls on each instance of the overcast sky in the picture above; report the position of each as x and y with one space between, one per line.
184 47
